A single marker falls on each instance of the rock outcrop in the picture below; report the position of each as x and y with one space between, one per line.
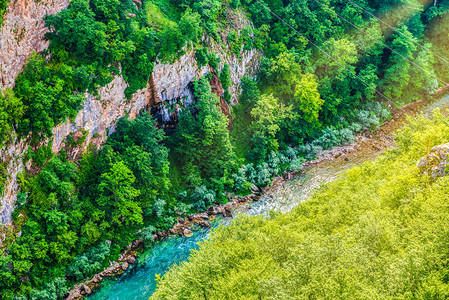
435 163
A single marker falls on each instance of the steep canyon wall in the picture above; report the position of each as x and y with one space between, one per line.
168 88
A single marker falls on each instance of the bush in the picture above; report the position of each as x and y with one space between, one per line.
201 56
56 289
42 154
213 60
203 198
89 262
3 8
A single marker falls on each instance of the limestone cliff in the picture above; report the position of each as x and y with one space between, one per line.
22 33
167 90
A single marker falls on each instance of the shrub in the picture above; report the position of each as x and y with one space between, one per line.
89 262
201 56
203 198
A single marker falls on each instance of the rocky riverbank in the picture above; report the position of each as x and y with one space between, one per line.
182 227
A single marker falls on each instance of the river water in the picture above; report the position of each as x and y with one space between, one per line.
138 282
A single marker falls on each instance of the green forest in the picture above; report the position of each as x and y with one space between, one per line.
75 216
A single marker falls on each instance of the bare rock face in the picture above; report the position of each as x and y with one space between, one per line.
434 164
22 33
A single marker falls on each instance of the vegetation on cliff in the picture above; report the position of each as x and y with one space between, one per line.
380 231
3 8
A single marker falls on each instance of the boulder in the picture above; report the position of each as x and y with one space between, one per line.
75 294
97 278
187 232
204 224
250 197
227 212
131 259
136 243
240 199
124 266
434 164
87 289
255 189
203 216
214 210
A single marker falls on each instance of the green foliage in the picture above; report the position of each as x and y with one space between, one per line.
307 98
129 184
72 142
56 289
155 16
190 26
382 215
42 154
250 92
173 36
208 10
201 143
234 41
89 262
171 42
3 8
334 96
203 198
225 79
11 112
3 177
139 143
117 192
201 56
100 36
88 42
46 90
214 60
267 113
234 4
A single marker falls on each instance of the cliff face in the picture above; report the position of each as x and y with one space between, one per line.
22 33
168 89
